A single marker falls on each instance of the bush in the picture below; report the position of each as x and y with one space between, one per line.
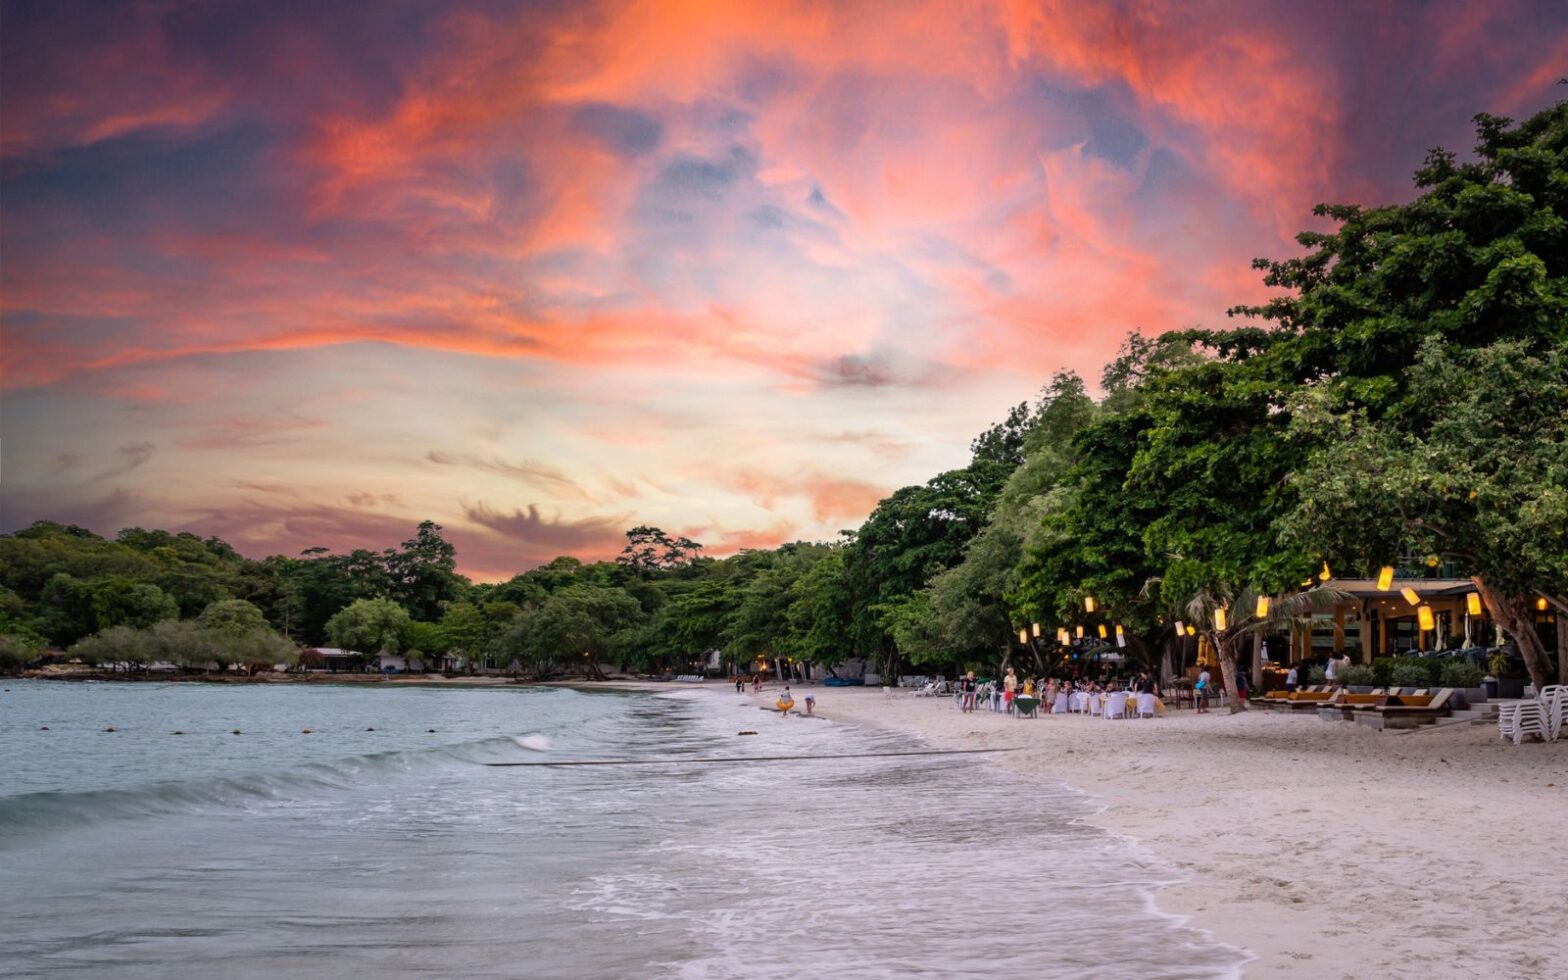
1316 676
1381 670
1411 672
1357 675
16 650
1459 672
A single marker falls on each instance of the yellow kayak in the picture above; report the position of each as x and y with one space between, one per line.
785 705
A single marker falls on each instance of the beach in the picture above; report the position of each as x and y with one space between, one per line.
1327 850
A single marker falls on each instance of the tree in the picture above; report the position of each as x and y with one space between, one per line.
232 618
648 548
423 572
1482 479
576 624
118 600
370 626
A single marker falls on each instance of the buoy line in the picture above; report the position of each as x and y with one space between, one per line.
746 758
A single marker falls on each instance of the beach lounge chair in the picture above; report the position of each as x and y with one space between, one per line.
1410 710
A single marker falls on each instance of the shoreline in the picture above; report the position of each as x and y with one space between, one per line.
1320 849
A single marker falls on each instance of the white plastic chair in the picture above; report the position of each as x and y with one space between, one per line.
1096 707
1515 721
1116 705
1554 708
1146 706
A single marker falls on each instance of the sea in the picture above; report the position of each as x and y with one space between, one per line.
170 830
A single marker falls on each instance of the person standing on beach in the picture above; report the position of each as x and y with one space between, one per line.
967 687
1201 692
740 684
1331 670
811 704
1292 678
1009 689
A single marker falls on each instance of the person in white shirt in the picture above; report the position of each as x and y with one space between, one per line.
1292 678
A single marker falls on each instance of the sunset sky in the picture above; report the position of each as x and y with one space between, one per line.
307 273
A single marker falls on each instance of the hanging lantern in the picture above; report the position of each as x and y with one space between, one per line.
1473 603
1102 631
1410 596
1088 603
1424 617
1180 629
1540 604
1325 574
1192 630
1385 578
1306 584
1263 607
1432 561
1023 637
1219 620
1121 638
1080 631
1037 631
1063 638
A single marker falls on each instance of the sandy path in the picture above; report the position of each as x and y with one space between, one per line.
1327 849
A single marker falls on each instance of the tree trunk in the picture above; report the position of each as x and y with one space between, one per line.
1225 648
1515 616
1561 603
1257 660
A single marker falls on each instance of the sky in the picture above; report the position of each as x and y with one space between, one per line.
301 274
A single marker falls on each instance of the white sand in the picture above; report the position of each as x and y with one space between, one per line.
1326 849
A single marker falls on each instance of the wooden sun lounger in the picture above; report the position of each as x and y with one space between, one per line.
1346 707
1409 710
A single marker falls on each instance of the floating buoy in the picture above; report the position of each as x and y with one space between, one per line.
370 729
745 733
431 731
236 732
176 732
109 729
304 731
43 728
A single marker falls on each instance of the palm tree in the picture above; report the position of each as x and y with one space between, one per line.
1241 619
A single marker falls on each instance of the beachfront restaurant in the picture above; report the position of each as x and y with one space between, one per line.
1373 622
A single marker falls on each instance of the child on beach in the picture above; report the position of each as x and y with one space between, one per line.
811 704
967 687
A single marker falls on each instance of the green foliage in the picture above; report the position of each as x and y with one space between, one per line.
576 623
17 650
1458 672
232 617
1354 675
370 626
1411 672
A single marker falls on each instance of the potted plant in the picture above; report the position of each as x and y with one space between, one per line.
1496 663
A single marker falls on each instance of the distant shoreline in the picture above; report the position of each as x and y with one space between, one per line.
391 680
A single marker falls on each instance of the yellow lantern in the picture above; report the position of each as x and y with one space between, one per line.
1385 578
1121 638
1118 629
1540 604
1063 638
1410 596
1180 629
1088 603
1424 617
1473 603
1080 631
1219 620
1192 630
1023 637
1037 631
1306 584
1325 574
1263 607
1102 631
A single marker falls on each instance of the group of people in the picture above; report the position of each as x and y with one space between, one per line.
786 700
1001 696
